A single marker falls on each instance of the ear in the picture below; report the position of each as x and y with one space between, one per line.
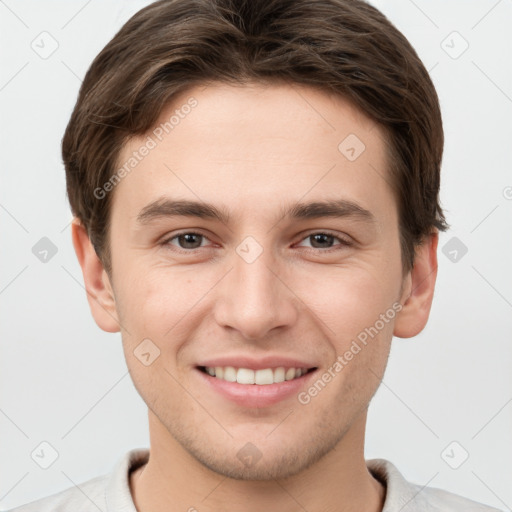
97 283
418 290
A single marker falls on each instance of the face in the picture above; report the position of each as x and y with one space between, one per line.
218 261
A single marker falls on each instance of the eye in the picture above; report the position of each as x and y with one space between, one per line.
325 240
187 240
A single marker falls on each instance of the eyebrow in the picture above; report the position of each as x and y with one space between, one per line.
332 208
166 207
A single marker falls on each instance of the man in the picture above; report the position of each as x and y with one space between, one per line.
255 189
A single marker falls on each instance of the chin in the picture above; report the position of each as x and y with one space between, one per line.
268 457
262 466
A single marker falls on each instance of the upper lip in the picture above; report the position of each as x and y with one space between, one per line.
257 364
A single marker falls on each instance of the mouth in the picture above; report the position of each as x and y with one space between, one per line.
260 377
250 382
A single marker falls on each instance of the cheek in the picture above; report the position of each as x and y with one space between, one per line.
359 313
352 299
152 306
157 302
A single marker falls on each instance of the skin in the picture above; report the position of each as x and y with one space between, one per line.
253 150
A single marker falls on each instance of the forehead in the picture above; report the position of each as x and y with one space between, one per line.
254 146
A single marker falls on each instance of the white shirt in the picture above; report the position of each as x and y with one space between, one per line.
111 492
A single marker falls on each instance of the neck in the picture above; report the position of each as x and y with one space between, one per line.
173 480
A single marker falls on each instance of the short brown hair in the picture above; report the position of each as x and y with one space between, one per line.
343 46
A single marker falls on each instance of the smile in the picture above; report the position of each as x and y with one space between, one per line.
262 377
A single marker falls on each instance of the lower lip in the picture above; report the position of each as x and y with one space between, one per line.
256 395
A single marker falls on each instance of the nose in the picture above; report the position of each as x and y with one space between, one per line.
254 299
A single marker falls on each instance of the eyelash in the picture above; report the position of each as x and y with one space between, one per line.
343 242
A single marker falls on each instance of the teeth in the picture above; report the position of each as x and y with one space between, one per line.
229 374
245 376
264 376
290 373
279 374
260 377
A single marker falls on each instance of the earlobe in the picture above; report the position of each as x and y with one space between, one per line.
97 283
418 289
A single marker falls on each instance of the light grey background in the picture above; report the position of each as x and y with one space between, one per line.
65 382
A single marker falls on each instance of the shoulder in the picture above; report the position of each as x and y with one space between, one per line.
105 492
408 497
439 499
85 497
